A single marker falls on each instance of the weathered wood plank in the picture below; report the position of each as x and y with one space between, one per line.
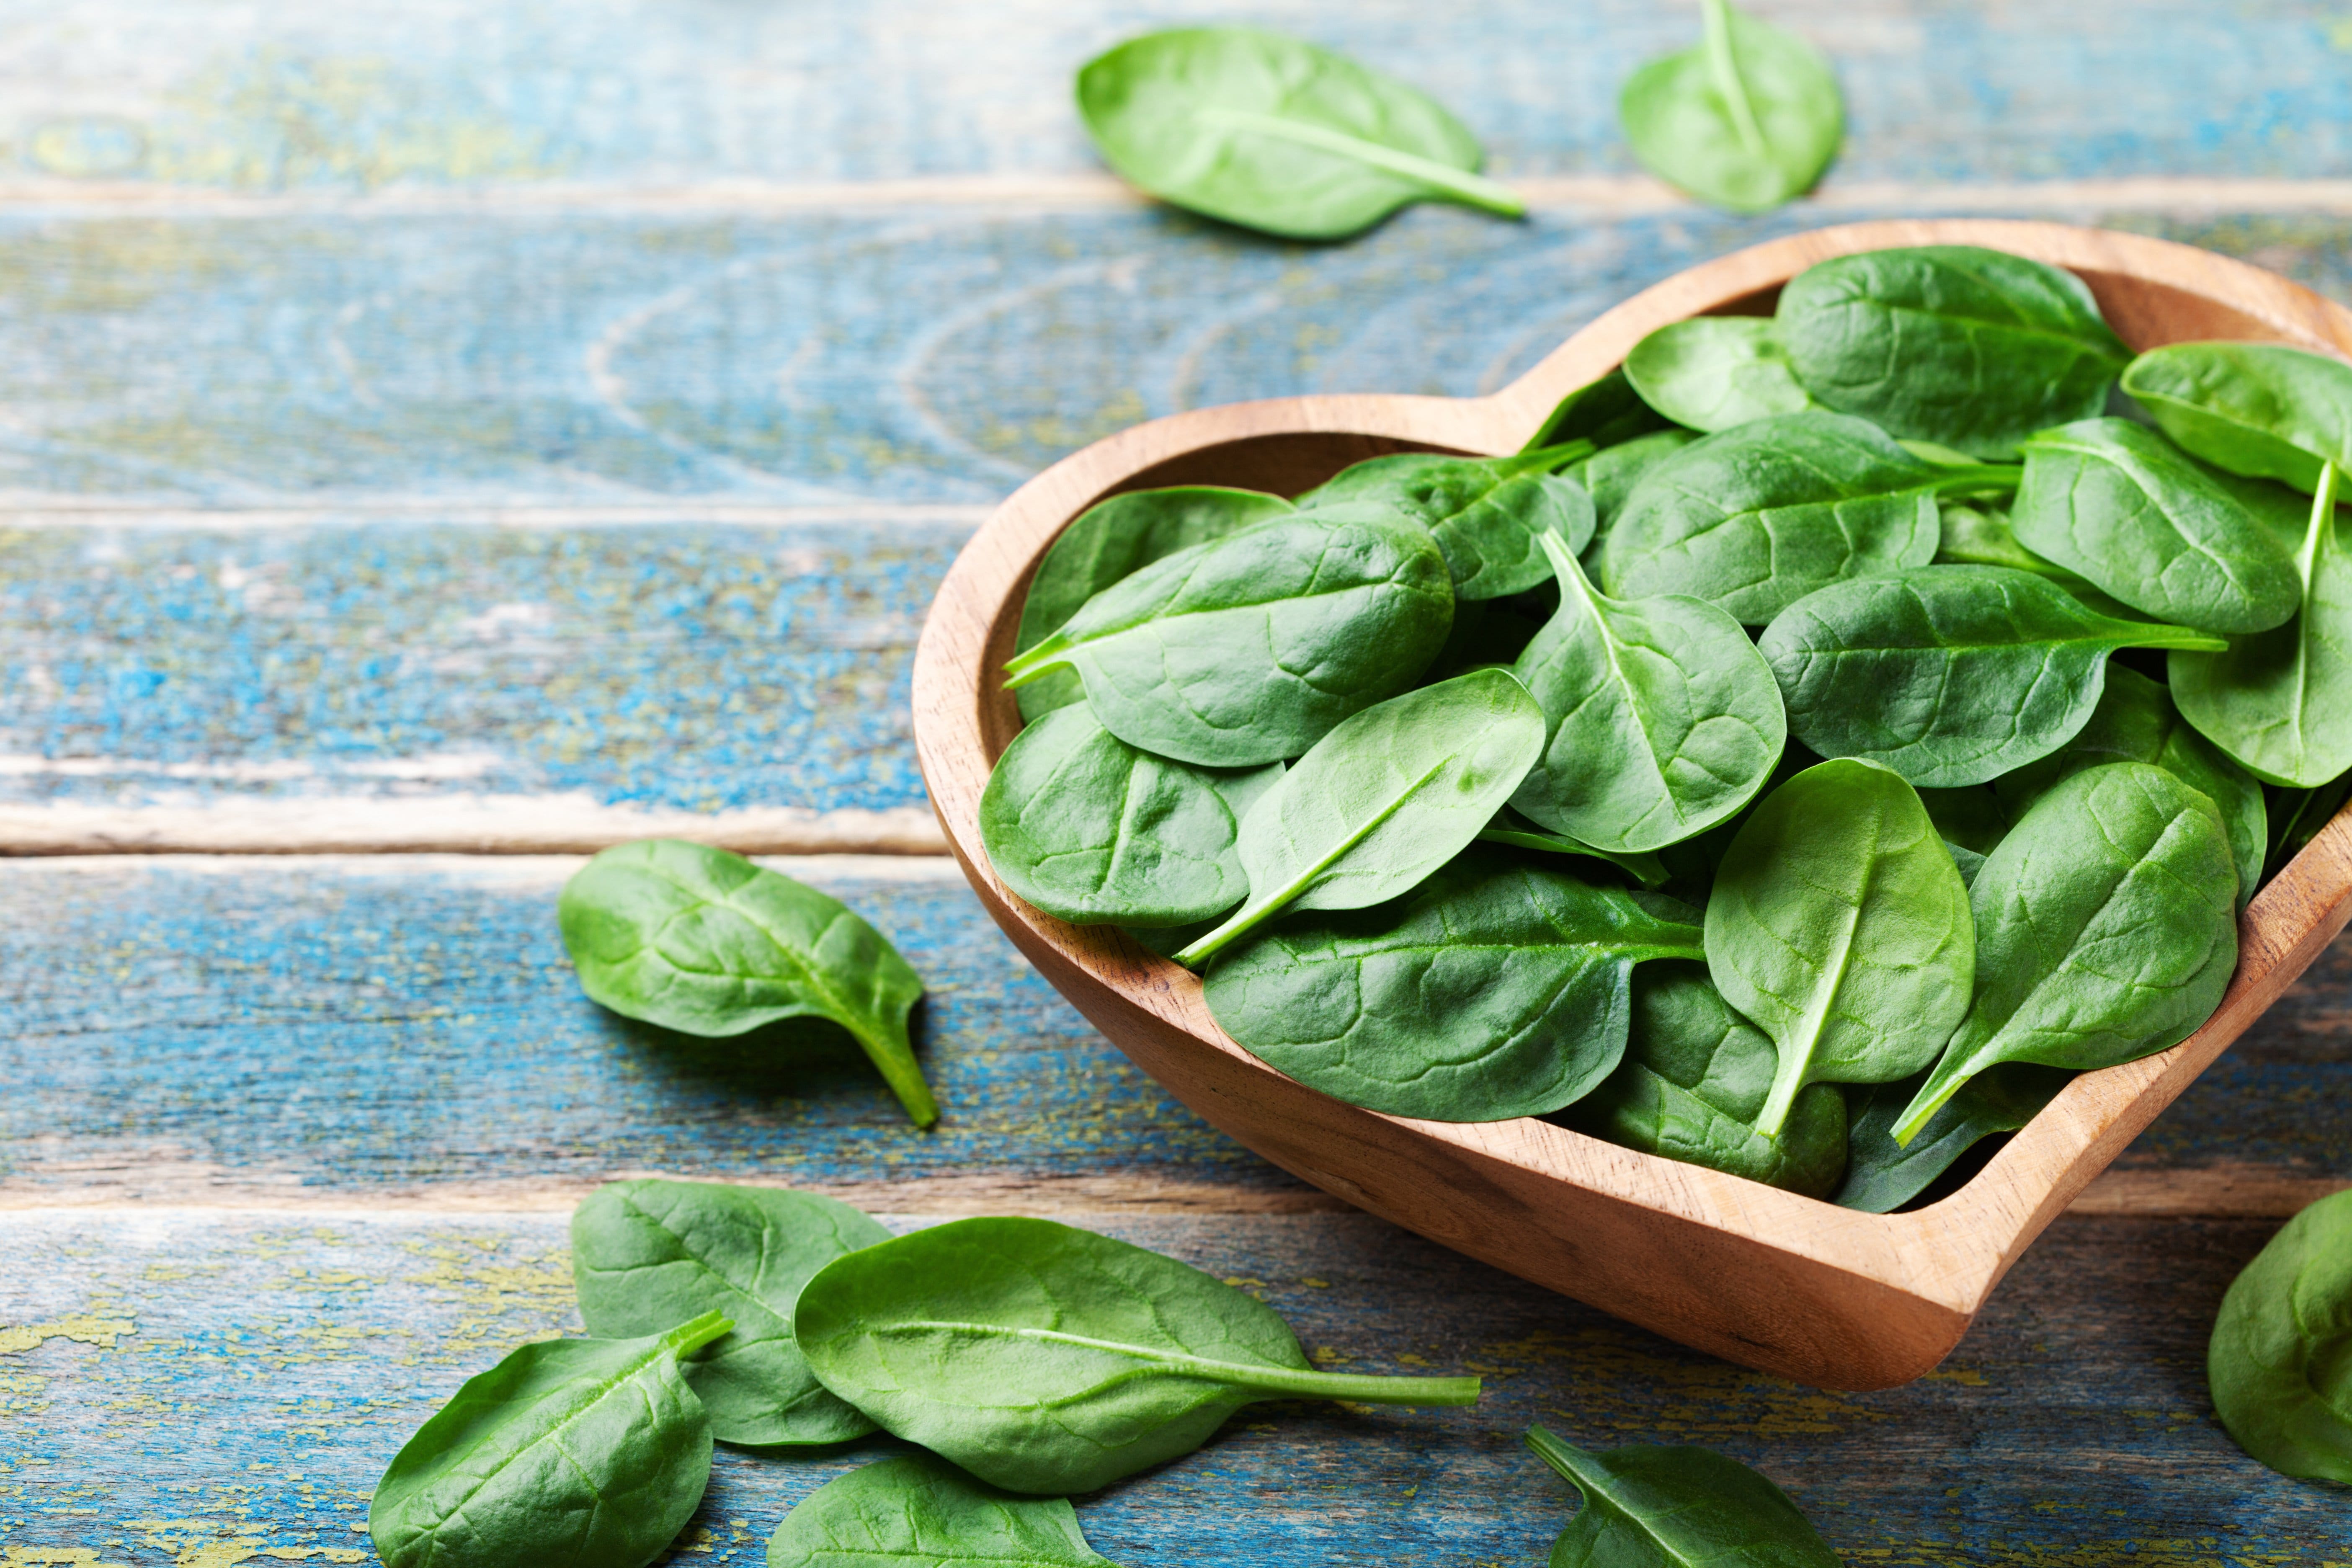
294 1029
263 1368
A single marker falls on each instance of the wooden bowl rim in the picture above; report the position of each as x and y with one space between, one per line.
1952 1252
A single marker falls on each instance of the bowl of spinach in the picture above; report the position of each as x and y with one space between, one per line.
1739 826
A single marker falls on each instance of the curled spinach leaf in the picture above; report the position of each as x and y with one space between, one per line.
2280 1364
1882 1175
1383 800
1494 990
2259 409
1114 539
1275 134
1949 675
705 943
1651 1506
920 1509
1746 122
1660 717
1694 1079
1838 924
1092 830
1246 649
648 1255
1485 513
1712 372
567 1452
2121 506
1972 349
1510 827
2106 929
1049 1359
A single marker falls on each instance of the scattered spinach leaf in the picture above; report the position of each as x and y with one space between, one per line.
1746 122
917 1508
1604 412
2280 1364
1711 372
1485 513
2258 409
1655 1506
1882 1175
1510 827
1049 1359
697 940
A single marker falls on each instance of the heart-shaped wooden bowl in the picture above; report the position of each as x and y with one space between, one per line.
1779 1282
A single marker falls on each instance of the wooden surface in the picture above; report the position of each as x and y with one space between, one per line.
434 426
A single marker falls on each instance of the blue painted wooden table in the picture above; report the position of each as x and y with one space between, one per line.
437 440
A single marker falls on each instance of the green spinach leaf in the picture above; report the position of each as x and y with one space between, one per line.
1275 134
1746 122
1610 475
2298 815
1694 1079
1977 533
1494 990
1246 649
648 1255
1606 413
1839 926
1092 830
1882 1175
918 1510
2106 929
2259 409
2121 506
1383 800
1510 827
1661 1506
1712 372
1487 513
1972 349
697 940
1971 817
1965 860
1115 538
1049 1360
567 1452
1949 675
1661 719
2279 1365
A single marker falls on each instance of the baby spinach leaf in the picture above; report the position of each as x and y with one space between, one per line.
1114 539
1248 649
697 940
2280 701
1092 830
1661 719
1746 122
1494 990
1610 475
1049 1360
920 1509
1882 1175
1653 1506
1755 518
567 1452
2279 1365
1510 827
2119 504
1838 924
1695 1078
1487 513
2106 929
1949 675
1383 800
1712 372
1972 349
2259 409
648 1255
1604 412
2136 722
1275 134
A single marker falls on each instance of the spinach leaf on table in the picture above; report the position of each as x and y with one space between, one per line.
2280 1362
1606 411
1661 719
1711 372
1838 925
648 1255
1746 122
1247 649
2280 701
1112 540
1972 349
1049 1359
2107 930
1485 513
1655 1506
919 1511
705 943
1882 1175
1383 800
2258 409
1093 830
1949 675
2116 503
1494 990
1694 1079
1510 827
567 1452
1275 134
